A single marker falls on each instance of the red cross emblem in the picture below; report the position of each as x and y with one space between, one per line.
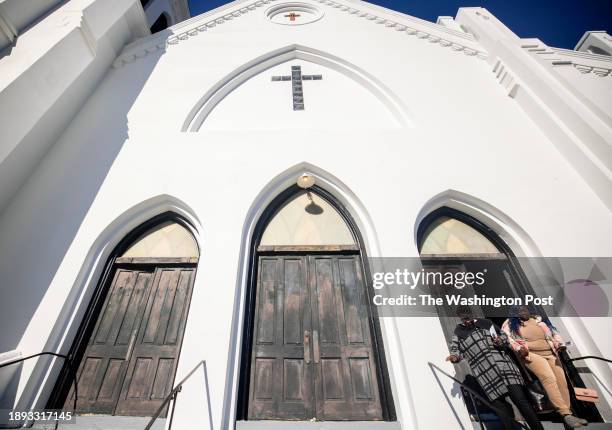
292 16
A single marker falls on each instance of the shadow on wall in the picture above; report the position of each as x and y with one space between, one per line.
9 384
43 219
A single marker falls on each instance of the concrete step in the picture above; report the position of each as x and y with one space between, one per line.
105 422
548 425
592 426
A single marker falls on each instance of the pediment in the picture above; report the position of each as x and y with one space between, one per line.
332 102
332 94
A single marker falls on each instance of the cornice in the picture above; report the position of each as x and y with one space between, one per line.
429 31
583 55
598 71
584 62
433 33
435 27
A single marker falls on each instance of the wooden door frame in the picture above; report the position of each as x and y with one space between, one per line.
385 394
64 381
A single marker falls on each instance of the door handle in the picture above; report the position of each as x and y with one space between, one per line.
306 346
315 346
131 345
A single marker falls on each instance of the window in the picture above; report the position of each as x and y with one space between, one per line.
307 219
160 23
168 239
448 235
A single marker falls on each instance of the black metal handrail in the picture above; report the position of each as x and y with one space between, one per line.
591 357
174 392
69 362
472 393
587 357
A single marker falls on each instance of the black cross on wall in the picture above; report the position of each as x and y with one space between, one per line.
296 79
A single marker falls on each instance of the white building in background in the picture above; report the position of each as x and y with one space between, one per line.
595 42
164 13
148 204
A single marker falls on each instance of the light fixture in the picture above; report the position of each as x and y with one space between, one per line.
305 181
312 208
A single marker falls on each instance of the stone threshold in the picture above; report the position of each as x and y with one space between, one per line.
317 425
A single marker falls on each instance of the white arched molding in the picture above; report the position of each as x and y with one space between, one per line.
398 378
505 227
198 114
42 380
508 230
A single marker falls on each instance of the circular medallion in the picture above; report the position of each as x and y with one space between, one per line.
294 13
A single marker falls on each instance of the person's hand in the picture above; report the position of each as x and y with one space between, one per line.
452 358
523 352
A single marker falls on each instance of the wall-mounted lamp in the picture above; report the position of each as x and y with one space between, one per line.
312 208
305 181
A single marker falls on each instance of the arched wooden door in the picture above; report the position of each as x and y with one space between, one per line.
129 361
313 348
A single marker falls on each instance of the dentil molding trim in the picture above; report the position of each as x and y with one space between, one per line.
164 41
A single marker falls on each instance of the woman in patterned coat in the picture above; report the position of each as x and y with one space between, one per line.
477 341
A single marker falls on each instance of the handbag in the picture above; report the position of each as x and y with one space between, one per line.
586 394
583 394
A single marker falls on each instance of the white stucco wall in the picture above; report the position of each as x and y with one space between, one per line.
124 158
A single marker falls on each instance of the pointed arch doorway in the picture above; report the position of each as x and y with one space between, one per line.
312 342
450 240
128 345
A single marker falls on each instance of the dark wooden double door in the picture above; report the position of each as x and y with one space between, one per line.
130 361
312 351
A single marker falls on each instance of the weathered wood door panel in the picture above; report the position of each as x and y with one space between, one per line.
103 366
312 352
281 380
152 363
346 383
129 364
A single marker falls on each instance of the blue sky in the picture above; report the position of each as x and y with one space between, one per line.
558 23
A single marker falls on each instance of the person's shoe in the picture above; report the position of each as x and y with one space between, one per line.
583 421
572 421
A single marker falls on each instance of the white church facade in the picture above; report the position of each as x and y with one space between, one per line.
153 187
